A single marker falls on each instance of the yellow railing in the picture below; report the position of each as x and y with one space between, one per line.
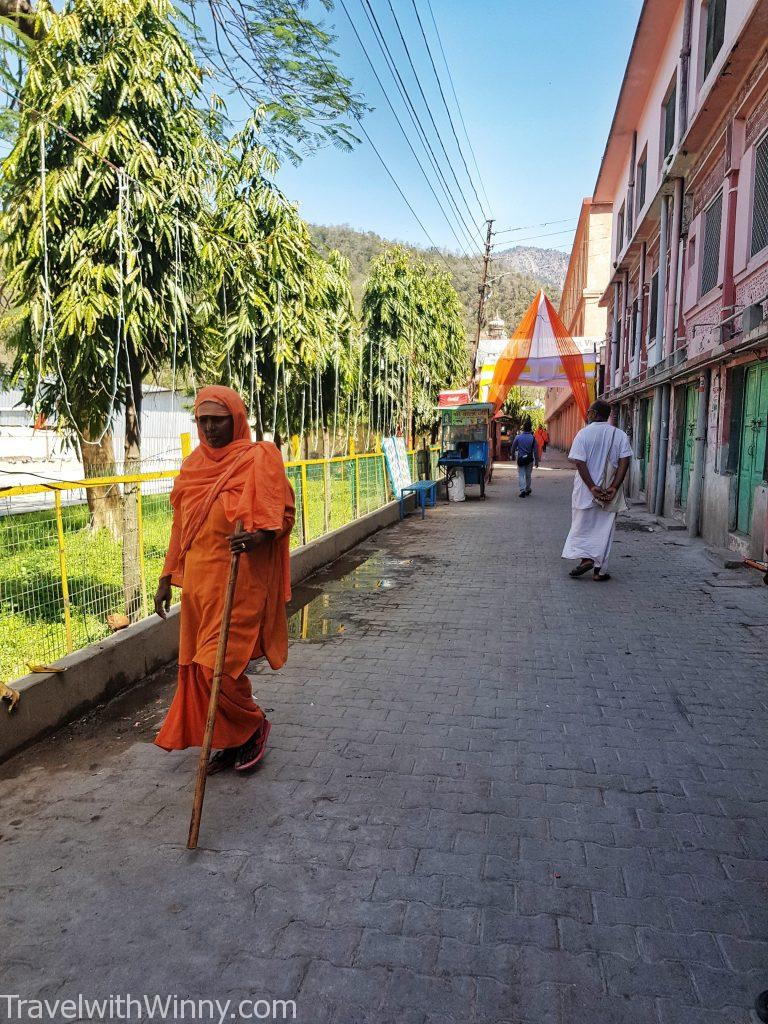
64 562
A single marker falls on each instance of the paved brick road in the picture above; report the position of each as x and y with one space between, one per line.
493 794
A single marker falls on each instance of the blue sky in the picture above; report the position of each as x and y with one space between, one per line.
537 83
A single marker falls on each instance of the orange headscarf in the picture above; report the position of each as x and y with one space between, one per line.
249 476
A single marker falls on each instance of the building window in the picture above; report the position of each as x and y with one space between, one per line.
642 177
630 219
620 231
668 112
760 199
653 308
710 249
715 33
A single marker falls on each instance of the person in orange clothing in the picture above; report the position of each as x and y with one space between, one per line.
542 439
226 479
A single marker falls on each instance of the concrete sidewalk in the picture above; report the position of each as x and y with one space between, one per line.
494 794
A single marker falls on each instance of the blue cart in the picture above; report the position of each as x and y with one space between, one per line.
466 444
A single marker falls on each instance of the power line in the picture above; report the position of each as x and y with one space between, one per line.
413 114
458 105
530 238
431 116
541 224
445 104
402 129
371 143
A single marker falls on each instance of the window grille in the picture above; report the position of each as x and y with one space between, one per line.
654 307
642 175
620 231
710 250
760 199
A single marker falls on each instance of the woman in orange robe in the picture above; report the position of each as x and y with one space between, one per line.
227 479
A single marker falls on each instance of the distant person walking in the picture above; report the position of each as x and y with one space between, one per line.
542 440
526 448
602 455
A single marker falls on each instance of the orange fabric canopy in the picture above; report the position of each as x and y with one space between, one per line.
539 351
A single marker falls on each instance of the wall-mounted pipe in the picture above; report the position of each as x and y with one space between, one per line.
696 489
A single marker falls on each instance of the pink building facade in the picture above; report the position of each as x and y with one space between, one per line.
685 171
589 270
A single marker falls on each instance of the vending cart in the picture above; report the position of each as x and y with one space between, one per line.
466 443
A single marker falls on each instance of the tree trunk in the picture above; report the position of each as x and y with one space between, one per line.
326 483
104 503
22 14
132 591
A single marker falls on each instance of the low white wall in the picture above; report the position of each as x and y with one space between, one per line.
104 669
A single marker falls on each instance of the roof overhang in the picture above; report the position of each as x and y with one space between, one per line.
656 19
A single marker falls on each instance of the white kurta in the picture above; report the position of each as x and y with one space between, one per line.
591 535
592 528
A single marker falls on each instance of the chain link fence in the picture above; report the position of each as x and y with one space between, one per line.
78 562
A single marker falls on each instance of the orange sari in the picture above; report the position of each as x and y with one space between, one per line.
216 488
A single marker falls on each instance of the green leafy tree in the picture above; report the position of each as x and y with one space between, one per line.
98 235
288 312
270 52
412 318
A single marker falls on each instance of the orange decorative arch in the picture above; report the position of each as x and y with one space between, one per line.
539 354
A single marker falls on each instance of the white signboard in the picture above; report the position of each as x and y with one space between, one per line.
397 463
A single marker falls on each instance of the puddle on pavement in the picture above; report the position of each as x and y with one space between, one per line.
321 609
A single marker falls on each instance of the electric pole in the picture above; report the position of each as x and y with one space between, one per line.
481 299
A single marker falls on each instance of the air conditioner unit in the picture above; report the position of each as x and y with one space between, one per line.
752 317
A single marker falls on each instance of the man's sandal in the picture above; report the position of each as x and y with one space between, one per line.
581 569
601 577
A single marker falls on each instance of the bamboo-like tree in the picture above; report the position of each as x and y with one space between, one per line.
270 52
287 311
103 217
413 323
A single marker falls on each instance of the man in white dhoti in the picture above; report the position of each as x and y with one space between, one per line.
602 454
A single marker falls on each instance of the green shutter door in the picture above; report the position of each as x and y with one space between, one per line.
753 437
644 454
689 441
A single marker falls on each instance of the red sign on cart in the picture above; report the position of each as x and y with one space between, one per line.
449 399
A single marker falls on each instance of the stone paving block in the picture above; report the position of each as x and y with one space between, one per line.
742 955
450 997
501 1003
565 902
385 950
458 923
640 882
719 990
337 945
690 948
628 979
519 930
649 910
619 939
673 1012
577 1005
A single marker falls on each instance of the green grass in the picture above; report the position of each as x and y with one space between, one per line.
31 598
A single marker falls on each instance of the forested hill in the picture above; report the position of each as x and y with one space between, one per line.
531 269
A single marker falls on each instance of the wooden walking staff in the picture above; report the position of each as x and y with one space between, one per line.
213 703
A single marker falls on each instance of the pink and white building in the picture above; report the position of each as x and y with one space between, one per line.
685 174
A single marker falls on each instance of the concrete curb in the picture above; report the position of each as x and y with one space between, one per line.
104 669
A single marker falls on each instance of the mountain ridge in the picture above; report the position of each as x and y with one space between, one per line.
526 269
